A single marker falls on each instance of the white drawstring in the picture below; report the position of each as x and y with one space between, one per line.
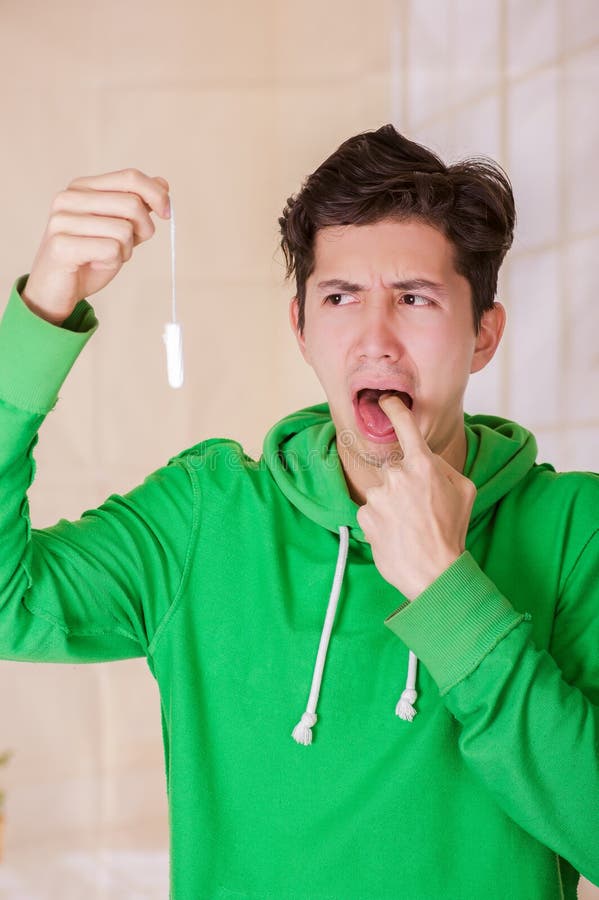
302 733
405 705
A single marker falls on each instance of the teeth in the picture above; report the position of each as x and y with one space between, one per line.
379 391
407 399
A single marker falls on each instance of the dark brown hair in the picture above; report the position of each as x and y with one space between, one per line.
382 175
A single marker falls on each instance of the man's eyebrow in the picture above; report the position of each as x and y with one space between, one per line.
409 284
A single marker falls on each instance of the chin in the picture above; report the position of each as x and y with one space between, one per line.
371 454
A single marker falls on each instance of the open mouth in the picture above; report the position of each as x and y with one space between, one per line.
371 419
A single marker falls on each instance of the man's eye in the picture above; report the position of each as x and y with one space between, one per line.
415 300
339 299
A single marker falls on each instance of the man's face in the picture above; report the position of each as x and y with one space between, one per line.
385 309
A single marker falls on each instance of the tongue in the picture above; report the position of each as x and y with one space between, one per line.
373 416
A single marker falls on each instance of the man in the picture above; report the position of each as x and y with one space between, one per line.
479 778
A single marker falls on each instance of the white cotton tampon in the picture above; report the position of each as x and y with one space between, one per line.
173 339
173 335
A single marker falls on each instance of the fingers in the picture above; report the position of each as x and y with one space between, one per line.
128 232
460 481
404 423
152 191
75 252
103 203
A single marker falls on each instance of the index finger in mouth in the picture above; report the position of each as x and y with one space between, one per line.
406 429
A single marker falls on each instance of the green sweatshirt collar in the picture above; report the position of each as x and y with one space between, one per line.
301 453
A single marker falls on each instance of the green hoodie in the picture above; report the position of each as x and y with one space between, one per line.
218 569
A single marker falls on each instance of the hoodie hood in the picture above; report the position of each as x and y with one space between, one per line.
301 453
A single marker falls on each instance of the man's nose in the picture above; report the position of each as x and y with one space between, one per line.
379 335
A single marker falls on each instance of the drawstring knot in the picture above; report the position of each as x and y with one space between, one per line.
405 705
404 708
302 733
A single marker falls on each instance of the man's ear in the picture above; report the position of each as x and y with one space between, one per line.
487 340
294 319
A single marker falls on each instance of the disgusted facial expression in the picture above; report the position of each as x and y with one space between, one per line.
386 311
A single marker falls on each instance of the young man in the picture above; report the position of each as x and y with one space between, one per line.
431 535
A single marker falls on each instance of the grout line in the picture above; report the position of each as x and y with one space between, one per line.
451 110
506 269
562 427
405 22
400 52
568 239
451 83
396 60
563 321
405 10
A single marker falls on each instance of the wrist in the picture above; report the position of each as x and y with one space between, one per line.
51 316
430 573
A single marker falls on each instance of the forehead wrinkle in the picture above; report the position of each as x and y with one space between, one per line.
407 284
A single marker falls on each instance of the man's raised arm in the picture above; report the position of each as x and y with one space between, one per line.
97 588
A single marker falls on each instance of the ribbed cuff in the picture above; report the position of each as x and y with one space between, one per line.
455 622
36 356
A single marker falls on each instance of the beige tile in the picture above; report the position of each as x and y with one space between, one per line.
429 60
475 130
319 44
452 55
113 773
533 158
474 36
182 44
58 806
32 696
72 872
535 372
472 130
132 736
533 28
220 43
580 23
334 112
579 140
437 135
581 353
581 449
136 801
551 447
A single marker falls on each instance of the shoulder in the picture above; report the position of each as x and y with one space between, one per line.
219 449
572 491
558 511
216 460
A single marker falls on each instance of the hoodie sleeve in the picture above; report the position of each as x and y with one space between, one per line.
530 735
98 588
